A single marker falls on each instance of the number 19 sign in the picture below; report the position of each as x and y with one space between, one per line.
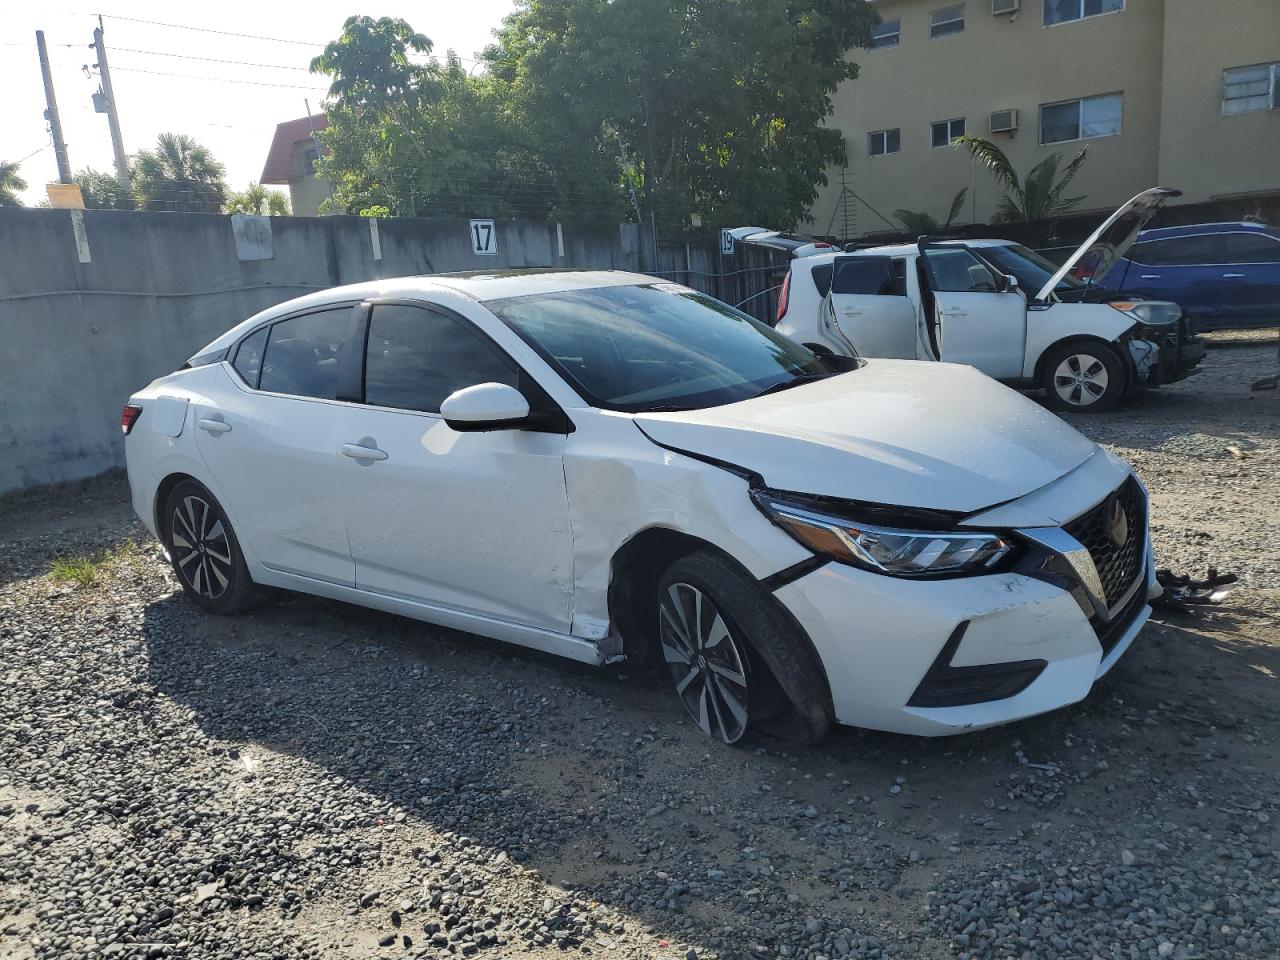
484 240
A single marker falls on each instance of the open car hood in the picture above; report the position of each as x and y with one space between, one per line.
1114 237
894 432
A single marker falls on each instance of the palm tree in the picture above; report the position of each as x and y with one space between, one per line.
102 191
10 185
921 224
178 175
257 199
1039 197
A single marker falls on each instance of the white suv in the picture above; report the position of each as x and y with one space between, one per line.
999 307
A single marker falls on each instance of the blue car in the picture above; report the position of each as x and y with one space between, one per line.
1223 274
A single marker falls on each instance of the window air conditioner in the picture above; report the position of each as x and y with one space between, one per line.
1004 121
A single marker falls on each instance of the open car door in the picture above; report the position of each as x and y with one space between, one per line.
977 318
867 310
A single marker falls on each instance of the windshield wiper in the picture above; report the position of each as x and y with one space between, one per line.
793 382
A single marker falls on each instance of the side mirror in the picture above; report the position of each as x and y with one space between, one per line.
486 406
1009 283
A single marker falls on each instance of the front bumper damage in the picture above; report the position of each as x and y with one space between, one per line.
1165 355
940 657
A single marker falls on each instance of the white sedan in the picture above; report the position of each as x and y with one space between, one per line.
606 466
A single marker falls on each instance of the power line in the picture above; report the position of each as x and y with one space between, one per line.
225 33
192 76
188 56
34 152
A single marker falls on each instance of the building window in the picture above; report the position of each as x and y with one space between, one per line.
887 34
1245 89
943 133
948 20
1081 119
1064 11
881 142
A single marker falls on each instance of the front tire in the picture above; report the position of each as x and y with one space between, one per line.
736 660
1084 376
204 551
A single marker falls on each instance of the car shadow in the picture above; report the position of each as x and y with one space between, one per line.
596 780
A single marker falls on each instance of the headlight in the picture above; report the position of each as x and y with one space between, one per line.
1154 313
888 550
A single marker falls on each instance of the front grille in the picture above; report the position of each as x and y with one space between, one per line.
1118 563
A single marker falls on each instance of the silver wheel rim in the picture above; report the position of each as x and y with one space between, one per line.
705 662
1081 379
201 548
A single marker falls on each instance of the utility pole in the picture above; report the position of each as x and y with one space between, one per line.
51 113
113 119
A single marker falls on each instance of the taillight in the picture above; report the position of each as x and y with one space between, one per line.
784 295
128 417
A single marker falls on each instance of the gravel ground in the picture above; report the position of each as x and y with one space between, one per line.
315 780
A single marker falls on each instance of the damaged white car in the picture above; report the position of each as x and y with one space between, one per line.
997 306
605 466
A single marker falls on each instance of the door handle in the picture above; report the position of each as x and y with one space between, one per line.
356 452
215 427
852 312
1232 276
1151 276
955 312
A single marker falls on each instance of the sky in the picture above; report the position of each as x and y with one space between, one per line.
161 84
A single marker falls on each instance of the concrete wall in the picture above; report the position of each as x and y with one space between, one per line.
78 335
306 194
1165 56
1203 152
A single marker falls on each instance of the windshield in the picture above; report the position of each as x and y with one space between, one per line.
1032 270
655 347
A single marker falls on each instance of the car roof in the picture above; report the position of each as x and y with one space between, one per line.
477 285
1195 229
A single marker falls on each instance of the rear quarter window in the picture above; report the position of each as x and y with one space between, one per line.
822 278
248 358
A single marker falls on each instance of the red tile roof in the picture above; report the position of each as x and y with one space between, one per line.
280 167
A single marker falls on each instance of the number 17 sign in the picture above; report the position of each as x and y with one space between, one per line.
484 239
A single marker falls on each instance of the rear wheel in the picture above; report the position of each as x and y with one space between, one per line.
1084 376
204 551
736 661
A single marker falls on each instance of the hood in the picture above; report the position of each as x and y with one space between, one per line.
1112 240
894 432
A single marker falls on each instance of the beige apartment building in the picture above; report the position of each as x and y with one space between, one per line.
1180 93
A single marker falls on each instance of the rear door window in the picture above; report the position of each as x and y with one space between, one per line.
417 357
302 354
865 275
1252 248
1179 251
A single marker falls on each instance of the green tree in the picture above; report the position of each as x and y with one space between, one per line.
597 108
102 191
178 175
420 139
257 199
921 224
718 108
1039 197
10 185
